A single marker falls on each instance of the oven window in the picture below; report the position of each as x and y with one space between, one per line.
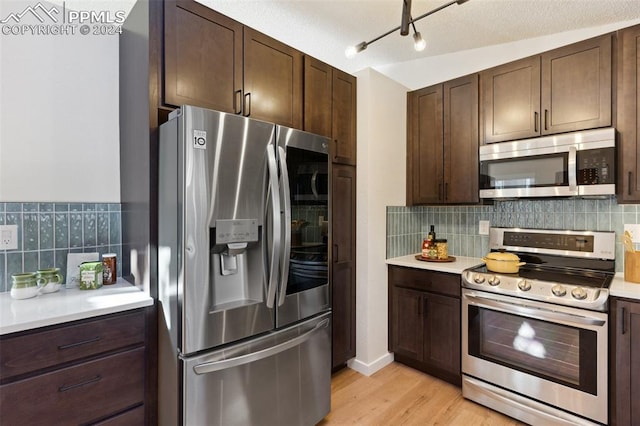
555 352
526 172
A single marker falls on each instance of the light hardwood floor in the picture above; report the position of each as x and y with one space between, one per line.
399 395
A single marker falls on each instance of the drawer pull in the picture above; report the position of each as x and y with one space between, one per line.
73 345
65 388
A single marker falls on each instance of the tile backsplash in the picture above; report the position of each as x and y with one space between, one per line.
47 232
407 226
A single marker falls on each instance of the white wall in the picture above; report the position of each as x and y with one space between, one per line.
436 69
59 137
380 182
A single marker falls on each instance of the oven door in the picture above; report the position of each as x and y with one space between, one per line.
553 354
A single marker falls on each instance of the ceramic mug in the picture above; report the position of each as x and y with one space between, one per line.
26 285
53 279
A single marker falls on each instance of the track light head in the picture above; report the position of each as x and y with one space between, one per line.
352 51
418 42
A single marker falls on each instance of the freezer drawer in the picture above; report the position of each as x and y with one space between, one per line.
282 379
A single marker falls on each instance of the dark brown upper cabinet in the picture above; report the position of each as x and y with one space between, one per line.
272 80
628 114
318 81
424 145
203 58
330 108
343 118
511 100
562 90
215 62
442 143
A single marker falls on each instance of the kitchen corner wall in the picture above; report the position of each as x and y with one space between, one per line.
407 226
47 232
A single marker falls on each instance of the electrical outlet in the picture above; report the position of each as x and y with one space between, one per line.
634 230
483 227
8 237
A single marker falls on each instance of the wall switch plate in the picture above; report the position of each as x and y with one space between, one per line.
8 237
483 227
634 230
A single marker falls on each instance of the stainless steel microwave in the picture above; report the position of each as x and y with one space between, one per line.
578 164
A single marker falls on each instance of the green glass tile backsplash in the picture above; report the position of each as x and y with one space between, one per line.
407 226
47 232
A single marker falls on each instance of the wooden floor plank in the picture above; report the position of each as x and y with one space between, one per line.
400 395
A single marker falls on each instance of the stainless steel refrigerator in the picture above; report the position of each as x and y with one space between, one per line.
243 218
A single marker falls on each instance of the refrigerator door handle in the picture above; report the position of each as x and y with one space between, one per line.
286 207
210 367
275 212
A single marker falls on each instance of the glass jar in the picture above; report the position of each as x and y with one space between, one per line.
442 250
427 246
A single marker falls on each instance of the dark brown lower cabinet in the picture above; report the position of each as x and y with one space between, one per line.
624 395
424 321
91 371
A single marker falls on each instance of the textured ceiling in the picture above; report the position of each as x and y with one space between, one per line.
324 28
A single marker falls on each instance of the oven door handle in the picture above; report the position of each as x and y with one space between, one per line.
536 313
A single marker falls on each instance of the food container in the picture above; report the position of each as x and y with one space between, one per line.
442 249
109 268
505 263
90 275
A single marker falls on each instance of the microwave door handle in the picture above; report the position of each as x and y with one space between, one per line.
286 207
273 191
572 166
314 184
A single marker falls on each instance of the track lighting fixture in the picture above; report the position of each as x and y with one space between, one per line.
419 43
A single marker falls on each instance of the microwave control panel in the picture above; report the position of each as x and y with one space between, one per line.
596 166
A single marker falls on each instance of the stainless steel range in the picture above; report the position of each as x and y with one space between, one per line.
534 343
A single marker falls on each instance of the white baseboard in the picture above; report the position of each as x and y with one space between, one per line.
369 369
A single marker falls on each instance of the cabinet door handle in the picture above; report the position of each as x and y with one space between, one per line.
84 342
546 119
335 151
535 121
624 321
65 388
237 102
425 308
630 180
246 106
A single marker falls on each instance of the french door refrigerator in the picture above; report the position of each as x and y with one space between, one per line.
244 330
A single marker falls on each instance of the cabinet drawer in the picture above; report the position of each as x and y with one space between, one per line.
43 349
78 394
420 279
134 416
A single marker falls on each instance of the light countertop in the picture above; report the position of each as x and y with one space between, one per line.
619 287
68 305
456 267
